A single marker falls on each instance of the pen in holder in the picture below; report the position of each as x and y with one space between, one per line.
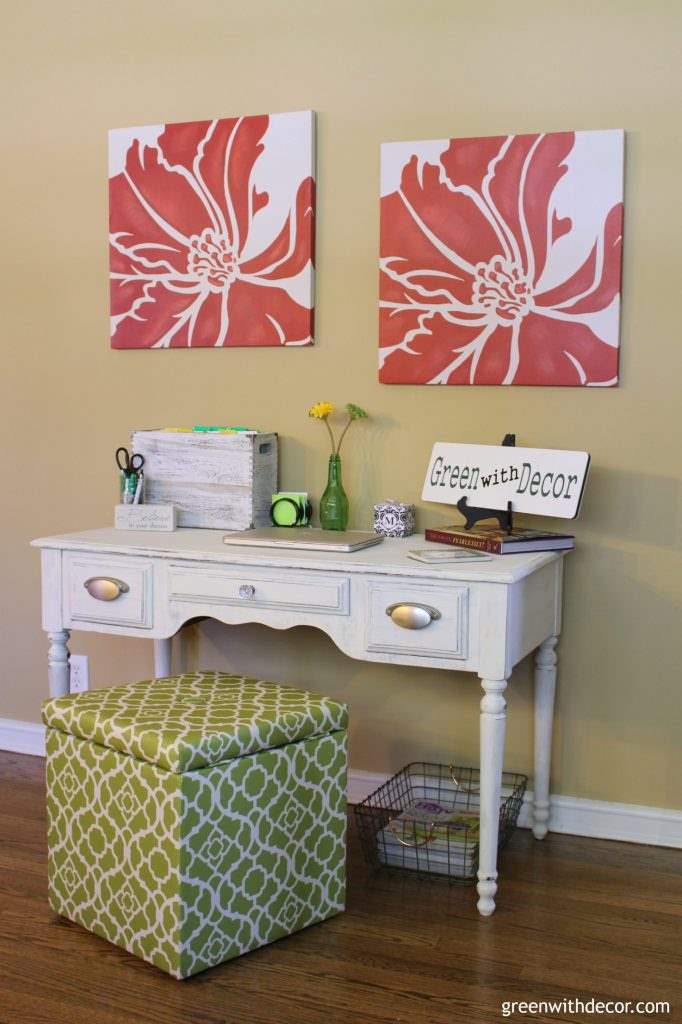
138 498
131 488
131 477
131 513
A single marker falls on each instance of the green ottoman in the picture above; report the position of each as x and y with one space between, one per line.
195 818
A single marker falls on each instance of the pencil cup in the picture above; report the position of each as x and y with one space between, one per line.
131 488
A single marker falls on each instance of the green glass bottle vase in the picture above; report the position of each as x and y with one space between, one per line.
334 502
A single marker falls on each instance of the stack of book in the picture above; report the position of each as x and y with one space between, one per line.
498 542
443 842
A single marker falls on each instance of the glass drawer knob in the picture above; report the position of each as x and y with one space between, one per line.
247 591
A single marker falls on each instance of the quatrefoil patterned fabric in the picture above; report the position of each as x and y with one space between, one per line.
195 720
186 869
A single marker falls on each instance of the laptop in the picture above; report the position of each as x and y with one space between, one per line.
304 537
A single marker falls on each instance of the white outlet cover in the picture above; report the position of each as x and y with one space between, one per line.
79 673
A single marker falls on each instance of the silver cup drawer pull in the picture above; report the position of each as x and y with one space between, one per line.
412 616
247 591
105 588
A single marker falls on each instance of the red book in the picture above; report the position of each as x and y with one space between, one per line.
498 542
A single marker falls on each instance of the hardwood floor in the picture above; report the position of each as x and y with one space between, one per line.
576 919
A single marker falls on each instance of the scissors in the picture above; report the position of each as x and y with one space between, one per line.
127 463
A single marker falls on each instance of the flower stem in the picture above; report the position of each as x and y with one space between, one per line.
343 434
326 423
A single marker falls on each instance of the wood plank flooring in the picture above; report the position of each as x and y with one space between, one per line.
577 919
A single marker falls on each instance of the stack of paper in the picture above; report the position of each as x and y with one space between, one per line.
428 837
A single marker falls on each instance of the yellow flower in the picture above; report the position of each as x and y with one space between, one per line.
321 410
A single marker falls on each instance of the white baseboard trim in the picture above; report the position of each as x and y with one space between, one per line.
361 784
22 737
598 819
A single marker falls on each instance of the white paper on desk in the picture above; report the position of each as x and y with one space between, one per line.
433 557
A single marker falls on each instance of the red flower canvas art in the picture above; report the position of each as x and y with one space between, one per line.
500 260
211 233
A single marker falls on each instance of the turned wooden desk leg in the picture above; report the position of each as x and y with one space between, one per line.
545 686
58 662
182 648
163 657
493 716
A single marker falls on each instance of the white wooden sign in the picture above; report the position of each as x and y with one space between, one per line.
542 481
145 517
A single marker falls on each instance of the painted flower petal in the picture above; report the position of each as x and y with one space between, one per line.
204 328
401 307
401 236
560 227
201 147
125 291
593 292
521 187
467 161
503 190
457 221
132 273
266 315
131 226
245 148
220 155
493 362
558 352
407 254
168 196
394 326
180 142
290 251
433 348
165 313
545 170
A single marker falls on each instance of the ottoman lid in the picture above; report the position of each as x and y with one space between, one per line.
195 720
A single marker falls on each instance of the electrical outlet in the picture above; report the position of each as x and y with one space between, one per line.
79 673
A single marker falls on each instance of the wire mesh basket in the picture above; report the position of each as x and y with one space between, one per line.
426 819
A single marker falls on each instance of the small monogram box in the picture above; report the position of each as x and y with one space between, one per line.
394 519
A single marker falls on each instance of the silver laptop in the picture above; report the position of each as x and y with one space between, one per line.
304 537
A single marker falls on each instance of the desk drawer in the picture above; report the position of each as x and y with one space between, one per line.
118 591
409 618
260 588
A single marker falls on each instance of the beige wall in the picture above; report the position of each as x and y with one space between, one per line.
374 70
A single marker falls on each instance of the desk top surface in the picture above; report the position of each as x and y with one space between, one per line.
388 558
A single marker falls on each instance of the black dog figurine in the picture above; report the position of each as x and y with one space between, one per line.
473 515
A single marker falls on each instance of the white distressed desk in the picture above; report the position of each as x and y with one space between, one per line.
488 616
